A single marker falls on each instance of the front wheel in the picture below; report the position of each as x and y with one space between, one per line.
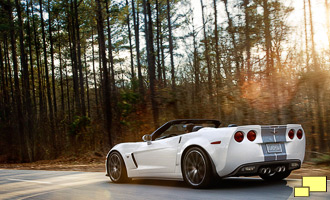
116 168
196 168
276 176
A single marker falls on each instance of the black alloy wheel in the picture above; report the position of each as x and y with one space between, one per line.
116 168
196 168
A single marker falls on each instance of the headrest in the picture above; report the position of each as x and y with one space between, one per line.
196 128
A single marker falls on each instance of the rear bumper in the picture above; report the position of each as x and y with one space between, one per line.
254 168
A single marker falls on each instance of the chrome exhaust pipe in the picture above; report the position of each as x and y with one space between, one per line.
263 170
278 169
283 169
269 170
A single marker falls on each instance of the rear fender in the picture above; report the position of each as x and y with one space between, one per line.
217 152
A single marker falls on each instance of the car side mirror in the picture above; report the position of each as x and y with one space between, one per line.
147 138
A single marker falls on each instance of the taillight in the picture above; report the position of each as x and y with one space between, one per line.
291 134
251 135
239 136
299 134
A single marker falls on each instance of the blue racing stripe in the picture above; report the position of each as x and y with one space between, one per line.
268 157
280 134
283 155
266 135
273 134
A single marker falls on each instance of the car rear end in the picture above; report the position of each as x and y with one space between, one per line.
257 150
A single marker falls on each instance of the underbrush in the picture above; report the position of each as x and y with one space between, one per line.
323 159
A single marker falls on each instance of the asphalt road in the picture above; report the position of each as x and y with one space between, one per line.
62 185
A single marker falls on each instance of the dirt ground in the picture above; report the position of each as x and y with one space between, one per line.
97 164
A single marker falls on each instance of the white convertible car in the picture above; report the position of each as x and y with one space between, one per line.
197 151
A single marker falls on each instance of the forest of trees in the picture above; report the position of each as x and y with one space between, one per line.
80 76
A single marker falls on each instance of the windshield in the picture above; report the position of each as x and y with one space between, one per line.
179 129
176 129
181 126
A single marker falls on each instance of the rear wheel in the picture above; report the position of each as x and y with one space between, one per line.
196 168
276 176
116 168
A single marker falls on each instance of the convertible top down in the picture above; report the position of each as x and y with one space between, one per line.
197 151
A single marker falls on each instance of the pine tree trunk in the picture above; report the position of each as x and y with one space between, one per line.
151 68
26 86
81 81
75 99
146 27
52 58
137 47
87 87
315 63
113 83
106 82
196 66
247 38
9 80
72 38
130 46
163 60
113 87
316 67
94 76
101 76
4 84
246 118
158 24
233 40
175 107
207 57
37 53
68 91
30 55
218 78
61 71
268 37
306 37
17 92
50 106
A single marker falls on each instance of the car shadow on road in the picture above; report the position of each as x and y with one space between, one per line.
241 183
228 188
226 183
169 183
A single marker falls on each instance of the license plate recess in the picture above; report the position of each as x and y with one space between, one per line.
274 148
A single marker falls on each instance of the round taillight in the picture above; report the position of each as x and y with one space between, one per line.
299 134
291 134
251 135
239 136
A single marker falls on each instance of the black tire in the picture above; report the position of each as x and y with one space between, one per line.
116 168
276 176
196 168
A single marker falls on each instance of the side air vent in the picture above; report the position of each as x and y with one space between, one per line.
134 161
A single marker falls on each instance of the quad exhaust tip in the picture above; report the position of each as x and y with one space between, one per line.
268 170
265 170
280 169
